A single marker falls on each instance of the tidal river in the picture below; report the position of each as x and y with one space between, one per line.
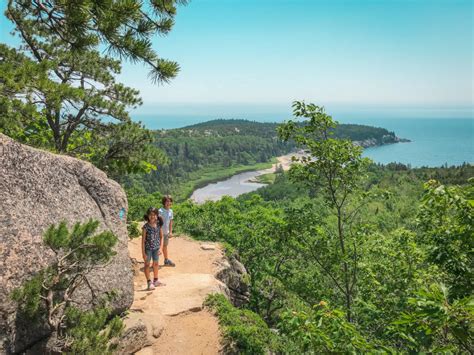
238 184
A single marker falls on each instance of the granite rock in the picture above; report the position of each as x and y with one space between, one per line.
234 275
38 189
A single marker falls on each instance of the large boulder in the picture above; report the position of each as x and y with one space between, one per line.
38 189
234 275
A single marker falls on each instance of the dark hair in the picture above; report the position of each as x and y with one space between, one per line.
149 212
166 198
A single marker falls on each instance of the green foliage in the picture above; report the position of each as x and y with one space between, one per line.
59 92
50 293
280 233
124 149
322 330
288 235
446 222
125 28
336 163
266 178
244 330
361 133
132 229
30 296
335 167
91 332
392 268
199 155
434 324
139 202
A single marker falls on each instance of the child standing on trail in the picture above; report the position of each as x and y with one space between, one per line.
167 214
152 237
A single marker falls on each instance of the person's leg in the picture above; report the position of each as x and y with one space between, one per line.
156 282
165 246
166 241
150 285
155 264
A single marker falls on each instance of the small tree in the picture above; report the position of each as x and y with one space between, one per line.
51 291
446 226
333 166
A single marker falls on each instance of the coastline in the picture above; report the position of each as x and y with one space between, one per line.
284 161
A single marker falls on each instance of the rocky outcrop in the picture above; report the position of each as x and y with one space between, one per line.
141 331
375 142
234 275
38 189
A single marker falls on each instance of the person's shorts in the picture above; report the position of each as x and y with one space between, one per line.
166 239
152 254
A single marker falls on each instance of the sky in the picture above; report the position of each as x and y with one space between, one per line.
350 54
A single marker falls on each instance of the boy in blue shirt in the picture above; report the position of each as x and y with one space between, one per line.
167 214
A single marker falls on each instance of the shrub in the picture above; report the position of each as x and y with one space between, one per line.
244 331
132 229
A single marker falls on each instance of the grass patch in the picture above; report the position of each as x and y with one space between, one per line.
266 178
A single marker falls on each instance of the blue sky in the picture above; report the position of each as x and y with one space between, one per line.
263 54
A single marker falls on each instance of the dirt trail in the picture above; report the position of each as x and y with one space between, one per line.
174 313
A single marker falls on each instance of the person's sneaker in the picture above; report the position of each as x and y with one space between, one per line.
168 262
151 286
158 283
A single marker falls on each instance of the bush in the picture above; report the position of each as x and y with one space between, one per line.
435 324
132 229
244 331
322 330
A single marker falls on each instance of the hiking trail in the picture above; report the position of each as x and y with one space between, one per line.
176 321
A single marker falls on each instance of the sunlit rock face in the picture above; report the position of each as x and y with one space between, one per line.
38 189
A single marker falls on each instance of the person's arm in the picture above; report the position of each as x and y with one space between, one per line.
171 225
143 243
161 241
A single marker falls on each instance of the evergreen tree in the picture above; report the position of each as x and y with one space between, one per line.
51 292
60 93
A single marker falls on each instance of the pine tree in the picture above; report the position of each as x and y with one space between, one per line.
50 293
59 92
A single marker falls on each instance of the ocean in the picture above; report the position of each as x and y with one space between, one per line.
434 141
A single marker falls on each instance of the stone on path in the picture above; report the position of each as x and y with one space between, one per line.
208 247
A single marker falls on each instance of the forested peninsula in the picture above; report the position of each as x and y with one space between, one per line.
216 149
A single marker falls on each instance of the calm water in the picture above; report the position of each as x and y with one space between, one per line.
236 185
435 141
